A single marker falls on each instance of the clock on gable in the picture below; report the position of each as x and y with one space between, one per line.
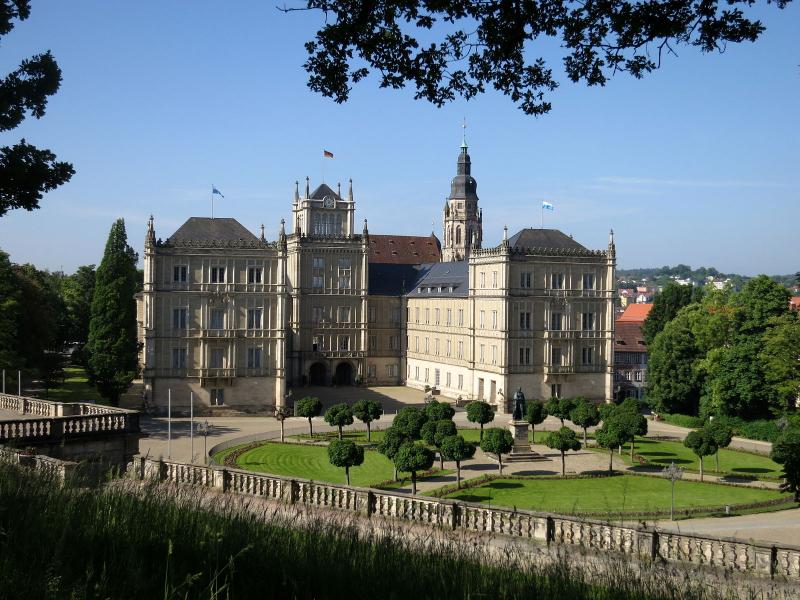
328 202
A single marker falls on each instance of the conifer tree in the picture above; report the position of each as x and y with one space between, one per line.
112 346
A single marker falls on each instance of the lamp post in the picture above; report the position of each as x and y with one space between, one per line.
204 429
280 415
673 473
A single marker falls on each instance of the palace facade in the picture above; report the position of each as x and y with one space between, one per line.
236 320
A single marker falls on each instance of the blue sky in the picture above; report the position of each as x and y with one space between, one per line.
697 163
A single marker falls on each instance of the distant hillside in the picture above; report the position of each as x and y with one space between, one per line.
661 275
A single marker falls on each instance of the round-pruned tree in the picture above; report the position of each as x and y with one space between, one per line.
433 432
367 411
584 415
413 457
610 436
410 421
439 411
563 440
535 414
631 421
560 408
786 452
456 449
339 415
480 412
722 435
702 443
346 454
393 438
497 441
113 350
308 407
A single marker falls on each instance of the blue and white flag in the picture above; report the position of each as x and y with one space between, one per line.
547 205
216 191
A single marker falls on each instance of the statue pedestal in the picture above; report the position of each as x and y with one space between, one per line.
521 452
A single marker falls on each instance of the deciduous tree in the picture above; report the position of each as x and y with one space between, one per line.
439 411
413 457
393 438
308 407
786 452
367 411
584 415
480 412
339 415
666 305
497 441
455 448
560 408
610 436
433 432
673 383
410 421
780 358
721 434
535 414
563 440
346 454
702 443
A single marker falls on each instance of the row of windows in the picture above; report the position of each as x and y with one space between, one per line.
437 316
629 376
180 274
556 280
391 371
437 375
217 318
343 273
630 358
340 342
217 358
588 321
448 348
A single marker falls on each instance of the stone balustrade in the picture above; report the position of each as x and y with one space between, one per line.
46 408
54 428
643 543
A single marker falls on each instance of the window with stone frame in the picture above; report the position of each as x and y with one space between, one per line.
525 356
180 273
180 318
524 320
587 355
254 274
254 358
254 318
217 274
344 342
217 318
525 280
179 358
588 321
318 273
588 281
557 281
345 272
556 321
217 358
344 314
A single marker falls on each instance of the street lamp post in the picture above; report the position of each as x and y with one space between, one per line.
204 429
673 473
280 415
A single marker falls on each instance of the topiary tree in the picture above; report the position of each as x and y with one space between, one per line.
410 421
280 416
367 411
339 415
393 438
610 436
701 442
497 441
345 453
560 408
480 412
631 421
563 440
455 448
786 452
584 415
722 435
433 432
439 411
308 407
413 457
535 414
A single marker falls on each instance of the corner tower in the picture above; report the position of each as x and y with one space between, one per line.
463 222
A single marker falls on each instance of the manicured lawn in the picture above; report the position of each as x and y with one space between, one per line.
471 435
733 462
608 494
75 388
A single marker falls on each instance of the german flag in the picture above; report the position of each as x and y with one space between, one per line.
326 154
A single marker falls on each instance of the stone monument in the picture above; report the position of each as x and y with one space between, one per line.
521 452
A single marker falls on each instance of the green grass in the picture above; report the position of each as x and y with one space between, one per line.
469 434
608 494
75 388
661 453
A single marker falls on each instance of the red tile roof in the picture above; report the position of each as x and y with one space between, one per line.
628 337
404 249
635 312
794 303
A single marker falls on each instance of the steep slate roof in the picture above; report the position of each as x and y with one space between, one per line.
322 191
393 280
205 229
445 275
404 249
628 337
543 238
635 312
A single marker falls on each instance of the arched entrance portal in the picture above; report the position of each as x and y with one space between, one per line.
344 374
316 374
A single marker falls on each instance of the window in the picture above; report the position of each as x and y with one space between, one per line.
461 382
588 321
344 314
447 383
460 317
555 390
416 314
637 375
449 316
494 279
436 377
427 345
557 281
344 273
416 373
587 356
436 316
317 314
344 342
317 343
318 273
217 358
372 370
254 275
524 356
460 349
393 342
179 273
217 318
395 315
217 274
448 348
524 320
555 356
436 346
556 321
373 314
427 374
180 318
494 319
373 342
588 281
254 358
481 354
416 343
525 280
494 355
391 370
427 316
254 318
179 358
483 279
482 319
217 396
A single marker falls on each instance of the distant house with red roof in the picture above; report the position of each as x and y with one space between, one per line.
794 303
630 352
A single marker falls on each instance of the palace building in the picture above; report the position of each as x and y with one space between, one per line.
237 320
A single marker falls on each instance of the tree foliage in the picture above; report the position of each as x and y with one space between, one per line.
560 408
666 305
702 443
497 441
409 421
673 383
413 457
367 411
450 49
786 452
27 172
780 358
610 436
439 411
535 414
339 415
112 347
345 454
480 412
308 407
456 449
584 415
563 440
77 291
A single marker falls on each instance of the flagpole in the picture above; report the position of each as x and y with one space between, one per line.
541 226
212 201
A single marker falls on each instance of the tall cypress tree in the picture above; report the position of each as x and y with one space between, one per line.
112 346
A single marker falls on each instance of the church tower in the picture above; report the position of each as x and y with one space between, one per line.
463 222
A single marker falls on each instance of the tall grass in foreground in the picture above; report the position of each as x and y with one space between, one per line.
62 542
